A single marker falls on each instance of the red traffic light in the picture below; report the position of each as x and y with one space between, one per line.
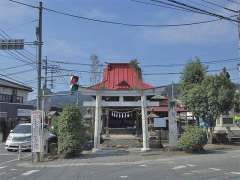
74 80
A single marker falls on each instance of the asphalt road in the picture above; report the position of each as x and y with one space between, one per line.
221 165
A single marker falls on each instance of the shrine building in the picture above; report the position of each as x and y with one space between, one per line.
122 100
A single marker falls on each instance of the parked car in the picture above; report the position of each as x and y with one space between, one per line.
21 136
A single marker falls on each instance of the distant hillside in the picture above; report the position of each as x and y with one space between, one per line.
61 101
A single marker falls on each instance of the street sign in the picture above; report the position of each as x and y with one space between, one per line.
11 44
36 118
24 112
159 122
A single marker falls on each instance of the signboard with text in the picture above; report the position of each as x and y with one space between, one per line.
36 117
160 122
24 112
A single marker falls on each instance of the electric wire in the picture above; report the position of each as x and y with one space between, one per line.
128 24
199 9
217 5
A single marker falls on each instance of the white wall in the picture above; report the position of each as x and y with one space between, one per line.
8 91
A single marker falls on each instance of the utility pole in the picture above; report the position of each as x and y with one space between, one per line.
45 77
39 69
39 59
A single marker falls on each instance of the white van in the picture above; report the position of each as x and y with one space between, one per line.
20 136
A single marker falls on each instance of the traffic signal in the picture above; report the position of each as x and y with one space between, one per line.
74 83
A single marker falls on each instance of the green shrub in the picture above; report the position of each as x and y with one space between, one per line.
71 132
54 126
193 139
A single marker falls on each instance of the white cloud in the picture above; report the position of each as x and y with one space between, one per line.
99 14
212 32
64 48
11 13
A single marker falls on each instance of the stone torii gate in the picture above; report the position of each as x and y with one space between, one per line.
99 103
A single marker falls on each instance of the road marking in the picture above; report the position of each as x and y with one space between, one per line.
29 172
2 167
187 173
7 154
13 169
215 169
124 177
179 167
238 173
191 165
143 165
5 162
235 156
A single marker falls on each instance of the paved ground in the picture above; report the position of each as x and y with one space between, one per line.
216 165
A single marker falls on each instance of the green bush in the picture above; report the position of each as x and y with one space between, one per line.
193 139
71 132
54 126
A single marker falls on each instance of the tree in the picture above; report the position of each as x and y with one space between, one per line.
219 97
71 132
193 95
207 96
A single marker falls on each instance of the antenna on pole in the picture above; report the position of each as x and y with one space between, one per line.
95 69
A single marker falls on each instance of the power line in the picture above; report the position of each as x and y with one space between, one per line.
201 10
217 5
154 65
13 67
183 64
179 73
163 6
128 24
20 72
5 36
25 4
9 77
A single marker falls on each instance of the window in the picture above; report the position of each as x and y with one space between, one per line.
10 98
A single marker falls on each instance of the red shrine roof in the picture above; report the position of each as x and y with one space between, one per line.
122 76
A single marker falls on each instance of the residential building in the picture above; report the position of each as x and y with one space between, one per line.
13 107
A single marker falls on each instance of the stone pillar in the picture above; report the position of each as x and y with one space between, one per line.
107 123
172 121
97 124
144 124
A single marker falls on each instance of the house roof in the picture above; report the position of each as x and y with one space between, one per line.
10 84
121 76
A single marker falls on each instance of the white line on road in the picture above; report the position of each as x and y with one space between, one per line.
7 154
5 162
2 167
13 169
124 177
29 172
143 165
187 173
179 167
215 169
191 165
238 173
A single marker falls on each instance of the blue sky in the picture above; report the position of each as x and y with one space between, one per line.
74 40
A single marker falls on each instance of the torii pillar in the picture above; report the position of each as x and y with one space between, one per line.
97 124
144 124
